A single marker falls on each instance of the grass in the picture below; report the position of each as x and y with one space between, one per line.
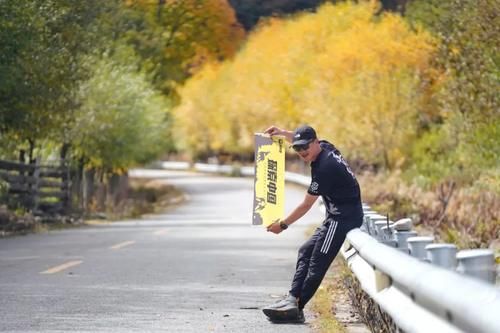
145 196
323 306
150 196
466 215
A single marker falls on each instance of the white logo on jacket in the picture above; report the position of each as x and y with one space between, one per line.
341 160
314 186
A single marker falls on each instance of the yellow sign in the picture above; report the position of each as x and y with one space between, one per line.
269 188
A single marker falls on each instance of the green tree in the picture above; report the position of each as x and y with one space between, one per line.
42 41
122 120
468 102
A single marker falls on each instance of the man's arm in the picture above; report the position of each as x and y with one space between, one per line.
296 214
273 130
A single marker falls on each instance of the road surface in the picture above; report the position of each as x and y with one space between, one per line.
200 267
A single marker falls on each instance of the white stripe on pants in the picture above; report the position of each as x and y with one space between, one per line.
329 237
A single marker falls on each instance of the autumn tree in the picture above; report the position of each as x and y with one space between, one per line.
361 82
43 44
175 37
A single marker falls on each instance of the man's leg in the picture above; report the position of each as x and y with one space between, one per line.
303 260
287 309
321 258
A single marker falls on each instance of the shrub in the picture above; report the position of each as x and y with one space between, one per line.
4 190
467 216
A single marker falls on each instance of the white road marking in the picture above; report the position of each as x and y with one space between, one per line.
160 232
121 245
20 258
62 267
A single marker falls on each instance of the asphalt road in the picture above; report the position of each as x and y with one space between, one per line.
201 267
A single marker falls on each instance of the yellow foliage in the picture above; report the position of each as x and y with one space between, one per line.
356 78
207 28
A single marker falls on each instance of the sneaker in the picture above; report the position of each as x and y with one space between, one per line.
298 319
286 302
283 310
301 318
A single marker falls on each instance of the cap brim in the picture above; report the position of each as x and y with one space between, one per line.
300 142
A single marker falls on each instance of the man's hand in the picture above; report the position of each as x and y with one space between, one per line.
273 130
275 227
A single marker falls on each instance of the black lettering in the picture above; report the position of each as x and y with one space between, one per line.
271 198
272 187
272 176
272 165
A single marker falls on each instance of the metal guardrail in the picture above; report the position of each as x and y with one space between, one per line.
414 281
419 296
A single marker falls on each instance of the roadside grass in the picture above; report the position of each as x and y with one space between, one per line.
323 307
334 305
145 196
466 215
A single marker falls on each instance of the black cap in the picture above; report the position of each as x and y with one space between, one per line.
303 135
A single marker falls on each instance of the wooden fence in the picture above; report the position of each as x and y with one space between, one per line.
42 189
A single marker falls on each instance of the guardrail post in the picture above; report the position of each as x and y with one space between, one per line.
378 229
402 237
442 255
388 232
479 263
366 219
417 245
372 223
368 223
382 280
403 224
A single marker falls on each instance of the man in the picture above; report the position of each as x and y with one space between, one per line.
333 180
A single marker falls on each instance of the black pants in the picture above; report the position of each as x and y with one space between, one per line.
316 255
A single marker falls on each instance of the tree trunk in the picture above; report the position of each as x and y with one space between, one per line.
31 151
88 189
77 185
100 192
22 156
64 150
161 3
